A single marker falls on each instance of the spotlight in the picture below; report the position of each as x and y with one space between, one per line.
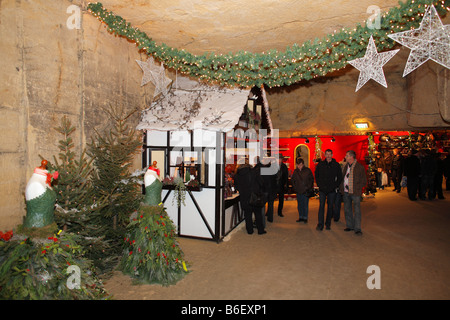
333 139
361 125
306 140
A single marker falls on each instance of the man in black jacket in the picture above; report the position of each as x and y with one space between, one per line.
411 169
246 181
282 181
328 176
397 170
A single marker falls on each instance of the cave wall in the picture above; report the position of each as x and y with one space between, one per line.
49 71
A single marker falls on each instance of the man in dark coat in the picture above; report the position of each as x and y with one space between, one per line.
388 165
412 171
246 181
427 171
446 164
269 177
397 170
438 177
328 178
282 181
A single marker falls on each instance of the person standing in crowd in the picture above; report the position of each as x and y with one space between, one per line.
447 171
427 172
352 188
411 170
338 201
397 170
302 183
282 181
246 180
388 164
328 178
439 176
270 184
381 167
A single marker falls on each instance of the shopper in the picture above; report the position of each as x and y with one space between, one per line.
282 181
303 185
328 178
269 177
438 177
388 164
428 169
247 180
397 170
381 167
447 170
352 187
338 201
412 172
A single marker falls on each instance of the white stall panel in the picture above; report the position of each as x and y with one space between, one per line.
180 139
204 138
156 138
172 210
192 223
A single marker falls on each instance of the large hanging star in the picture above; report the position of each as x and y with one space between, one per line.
148 67
430 41
156 75
371 65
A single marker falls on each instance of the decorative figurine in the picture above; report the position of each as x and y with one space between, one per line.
153 185
40 198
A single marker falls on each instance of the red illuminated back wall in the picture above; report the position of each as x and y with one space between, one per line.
341 144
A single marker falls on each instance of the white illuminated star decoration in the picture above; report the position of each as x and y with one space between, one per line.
155 75
371 65
430 41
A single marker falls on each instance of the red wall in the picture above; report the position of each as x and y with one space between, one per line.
358 143
341 145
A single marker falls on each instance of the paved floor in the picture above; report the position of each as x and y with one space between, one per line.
409 242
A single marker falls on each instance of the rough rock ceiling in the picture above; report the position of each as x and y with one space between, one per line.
230 26
220 26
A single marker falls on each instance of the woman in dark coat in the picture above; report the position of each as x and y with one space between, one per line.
302 183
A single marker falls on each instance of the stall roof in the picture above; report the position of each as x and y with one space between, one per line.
192 105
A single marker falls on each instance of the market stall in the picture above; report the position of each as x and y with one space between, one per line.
196 133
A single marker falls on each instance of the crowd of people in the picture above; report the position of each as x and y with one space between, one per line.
336 182
421 171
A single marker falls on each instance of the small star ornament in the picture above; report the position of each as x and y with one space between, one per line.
371 65
431 41
155 75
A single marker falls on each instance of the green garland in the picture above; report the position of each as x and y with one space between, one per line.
310 60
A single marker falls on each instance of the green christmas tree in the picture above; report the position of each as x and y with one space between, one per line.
152 254
74 192
115 186
77 209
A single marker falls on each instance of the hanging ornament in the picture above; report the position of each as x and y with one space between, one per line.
155 75
430 41
266 108
318 149
371 65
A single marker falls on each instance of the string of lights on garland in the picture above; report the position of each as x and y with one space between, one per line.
298 63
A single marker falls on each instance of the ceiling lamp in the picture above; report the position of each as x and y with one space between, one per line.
362 125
